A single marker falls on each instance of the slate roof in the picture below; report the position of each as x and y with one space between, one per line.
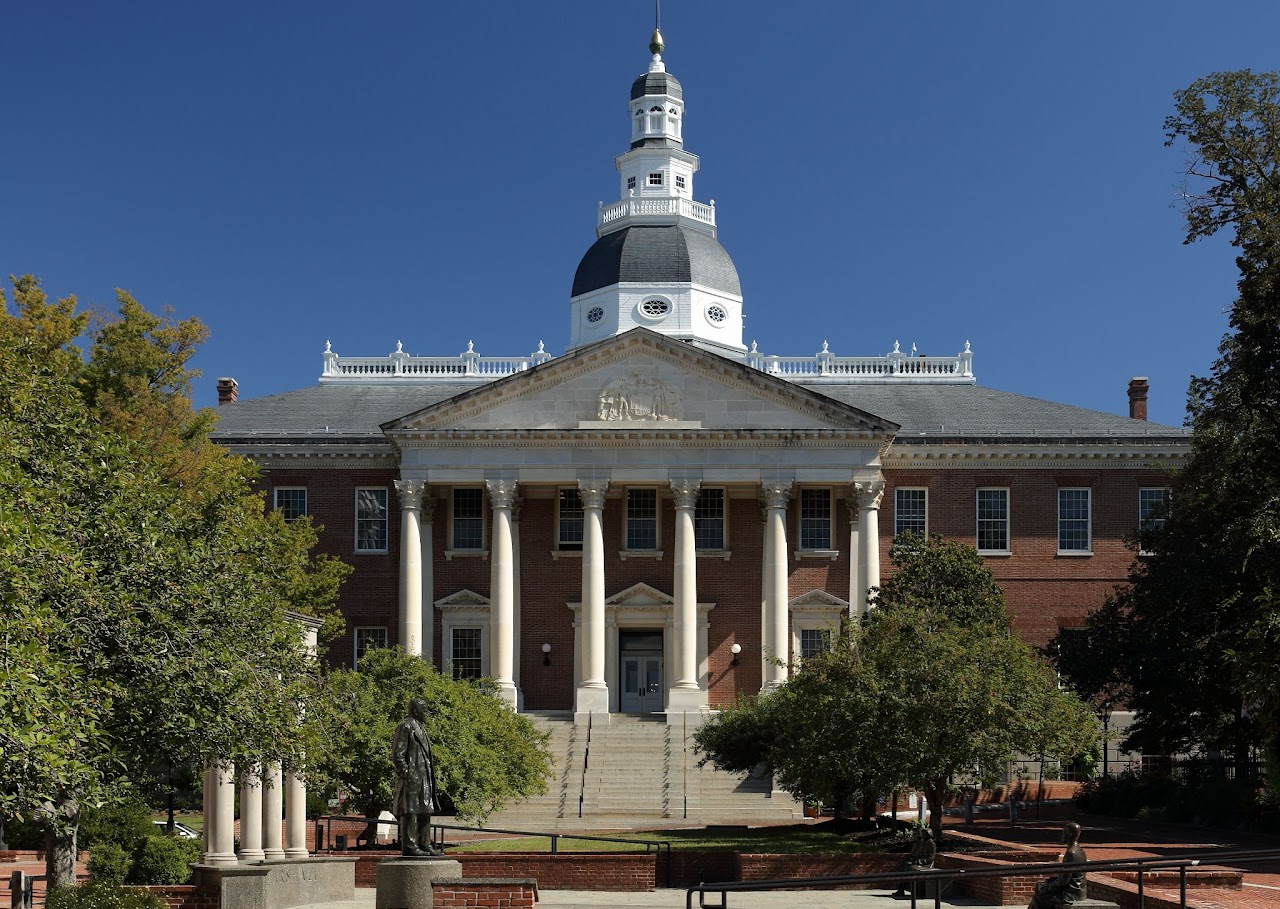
927 413
656 84
646 254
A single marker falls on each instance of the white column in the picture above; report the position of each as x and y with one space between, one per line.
272 813
425 529
251 817
516 507
685 694
221 838
869 495
410 492
295 817
593 694
856 607
777 643
502 494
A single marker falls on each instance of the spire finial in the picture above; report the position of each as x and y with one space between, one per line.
656 44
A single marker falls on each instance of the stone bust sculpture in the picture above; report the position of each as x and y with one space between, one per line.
416 789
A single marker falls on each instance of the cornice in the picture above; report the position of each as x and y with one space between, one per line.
301 456
636 438
1031 455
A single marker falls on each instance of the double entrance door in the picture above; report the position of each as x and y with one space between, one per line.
640 665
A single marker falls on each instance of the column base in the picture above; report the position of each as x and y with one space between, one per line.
296 853
508 694
591 703
273 855
686 700
219 858
252 856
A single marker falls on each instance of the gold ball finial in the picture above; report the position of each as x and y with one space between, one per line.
656 45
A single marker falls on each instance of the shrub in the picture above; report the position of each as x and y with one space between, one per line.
164 860
126 824
102 896
109 864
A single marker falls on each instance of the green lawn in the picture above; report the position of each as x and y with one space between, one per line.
797 839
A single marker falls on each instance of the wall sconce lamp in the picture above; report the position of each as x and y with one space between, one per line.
546 654
735 650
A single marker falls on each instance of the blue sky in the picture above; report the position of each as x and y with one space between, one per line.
928 172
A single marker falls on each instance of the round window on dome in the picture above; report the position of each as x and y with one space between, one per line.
655 309
595 314
716 314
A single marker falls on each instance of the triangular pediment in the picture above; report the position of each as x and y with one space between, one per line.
819 599
640 595
463 599
641 381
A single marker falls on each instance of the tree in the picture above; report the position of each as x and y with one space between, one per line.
930 687
486 755
143 590
1200 616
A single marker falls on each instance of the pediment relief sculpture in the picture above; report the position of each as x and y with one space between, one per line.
639 397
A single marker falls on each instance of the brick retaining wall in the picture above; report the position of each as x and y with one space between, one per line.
765 867
484 894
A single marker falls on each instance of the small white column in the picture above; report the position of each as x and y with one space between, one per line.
869 495
684 694
516 508
857 598
221 838
251 817
592 696
425 530
777 643
502 494
295 791
410 492
272 813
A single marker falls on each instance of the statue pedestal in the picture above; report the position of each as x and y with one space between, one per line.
405 882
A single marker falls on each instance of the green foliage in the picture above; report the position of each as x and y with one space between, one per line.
486 755
109 864
143 591
101 896
1198 793
930 688
126 824
164 860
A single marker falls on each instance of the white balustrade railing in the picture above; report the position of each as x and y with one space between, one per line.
895 366
658 206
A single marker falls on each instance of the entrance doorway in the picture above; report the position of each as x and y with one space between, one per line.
640 666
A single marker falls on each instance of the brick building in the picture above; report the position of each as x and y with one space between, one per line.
639 524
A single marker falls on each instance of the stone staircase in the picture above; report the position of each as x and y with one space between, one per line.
638 771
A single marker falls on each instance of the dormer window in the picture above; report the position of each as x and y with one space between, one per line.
655 179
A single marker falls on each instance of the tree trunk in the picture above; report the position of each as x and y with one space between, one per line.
934 791
62 822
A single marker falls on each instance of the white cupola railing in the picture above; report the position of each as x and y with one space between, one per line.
824 367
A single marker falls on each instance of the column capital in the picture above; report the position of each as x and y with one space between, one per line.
685 492
593 492
517 506
851 503
869 494
502 493
410 492
777 493
428 507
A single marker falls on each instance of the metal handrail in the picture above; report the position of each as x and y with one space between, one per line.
651 847
586 758
948 876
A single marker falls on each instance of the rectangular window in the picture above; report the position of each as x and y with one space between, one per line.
655 179
910 511
679 181
993 520
367 639
1073 520
467 656
642 519
291 502
569 535
708 519
468 518
1153 509
371 520
631 182
815 519
814 640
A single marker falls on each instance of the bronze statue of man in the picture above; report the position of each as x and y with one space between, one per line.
1066 888
923 853
416 789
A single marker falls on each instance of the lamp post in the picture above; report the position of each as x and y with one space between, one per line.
1104 714
735 650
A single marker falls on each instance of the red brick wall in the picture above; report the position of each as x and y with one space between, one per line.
763 867
185 896
484 895
562 871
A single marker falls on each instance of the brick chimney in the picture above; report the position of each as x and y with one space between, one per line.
1138 386
229 391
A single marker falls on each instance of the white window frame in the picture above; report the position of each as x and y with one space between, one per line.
386 519
306 499
451 661
470 615
1144 523
357 651
1008 520
570 546
813 618
724 520
831 520
631 182
454 549
655 182
897 509
657 521
1088 521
